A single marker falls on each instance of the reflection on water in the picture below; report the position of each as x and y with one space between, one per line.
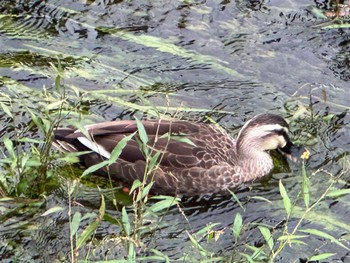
226 61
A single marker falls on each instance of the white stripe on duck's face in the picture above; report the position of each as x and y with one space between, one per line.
272 136
263 137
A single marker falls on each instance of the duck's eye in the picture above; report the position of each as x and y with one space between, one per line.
279 132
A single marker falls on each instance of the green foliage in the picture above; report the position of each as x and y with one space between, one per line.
237 226
285 198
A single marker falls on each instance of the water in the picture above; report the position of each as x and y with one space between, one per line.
229 59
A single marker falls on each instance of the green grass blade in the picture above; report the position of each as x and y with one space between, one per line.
6 109
254 197
88 232
163 204
142 132
237 226
9 146
267 236
119 148
178 138
324 235
337 193
286 201
234 196
53 210
126 222
94 168
153 161
75 223
146 190
247 257
321 256
136 184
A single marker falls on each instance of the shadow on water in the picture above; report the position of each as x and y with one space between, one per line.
210 61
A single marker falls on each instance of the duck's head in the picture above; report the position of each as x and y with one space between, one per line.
267 132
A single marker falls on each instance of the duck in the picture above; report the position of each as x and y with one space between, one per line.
194 158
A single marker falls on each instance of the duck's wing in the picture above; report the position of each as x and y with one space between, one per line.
181 143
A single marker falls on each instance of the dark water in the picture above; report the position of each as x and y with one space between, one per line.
227 60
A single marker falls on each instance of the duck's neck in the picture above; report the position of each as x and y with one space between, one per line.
254 164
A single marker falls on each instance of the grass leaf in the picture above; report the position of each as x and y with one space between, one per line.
321 256
9 146
286 201
146 189
237 226
136 184
234 196
324 235
119 148
163 204
53 210
142 132
267 236
153 161
337 193
6 109
88 232
95 167
75 223
125 222
261 198
182 139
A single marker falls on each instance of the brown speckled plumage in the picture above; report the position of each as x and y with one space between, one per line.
213 164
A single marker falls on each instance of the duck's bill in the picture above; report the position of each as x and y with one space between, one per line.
295 152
